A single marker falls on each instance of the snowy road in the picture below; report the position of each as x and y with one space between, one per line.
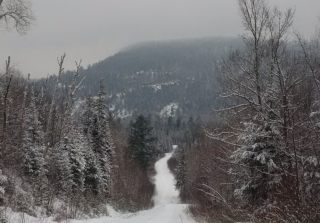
167 207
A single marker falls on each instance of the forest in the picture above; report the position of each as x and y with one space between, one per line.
241 120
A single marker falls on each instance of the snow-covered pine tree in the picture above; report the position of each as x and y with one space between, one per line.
102 112
77 146
62 167
33 148
101 138
87 117
262 160
70 158
92 173
96 127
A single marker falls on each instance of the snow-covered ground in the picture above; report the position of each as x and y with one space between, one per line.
167 207
165 191
169 110
170 213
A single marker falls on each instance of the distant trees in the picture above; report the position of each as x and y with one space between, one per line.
142 141
16 13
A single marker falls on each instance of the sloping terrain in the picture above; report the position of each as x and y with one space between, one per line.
153 77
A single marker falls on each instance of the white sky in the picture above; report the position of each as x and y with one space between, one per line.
91 30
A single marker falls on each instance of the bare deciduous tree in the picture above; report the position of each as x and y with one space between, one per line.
255 17
17 14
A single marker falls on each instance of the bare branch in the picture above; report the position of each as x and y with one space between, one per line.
16 13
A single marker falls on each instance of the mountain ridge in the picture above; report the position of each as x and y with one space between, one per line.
146 78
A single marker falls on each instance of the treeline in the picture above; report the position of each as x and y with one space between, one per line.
50 149
69 156
260 161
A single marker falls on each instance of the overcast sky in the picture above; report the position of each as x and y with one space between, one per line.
91 30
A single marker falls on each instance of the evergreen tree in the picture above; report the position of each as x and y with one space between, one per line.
103 116
70 156
62 166
77 145
33 149
87 117
101 138
92 173
142 141
264 159
95 121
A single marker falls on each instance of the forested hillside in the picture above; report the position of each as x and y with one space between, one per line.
66 159
171 78
218 130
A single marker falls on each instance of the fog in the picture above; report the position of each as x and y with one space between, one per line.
92 30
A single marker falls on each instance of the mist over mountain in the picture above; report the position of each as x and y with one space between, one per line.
213 129
169 78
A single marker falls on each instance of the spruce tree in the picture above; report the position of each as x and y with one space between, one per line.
92 173
142 141
77 145
95 121
62 166
264 157
87 117
69 156
33 149
101 138
92 170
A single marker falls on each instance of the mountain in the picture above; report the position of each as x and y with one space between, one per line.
170 78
